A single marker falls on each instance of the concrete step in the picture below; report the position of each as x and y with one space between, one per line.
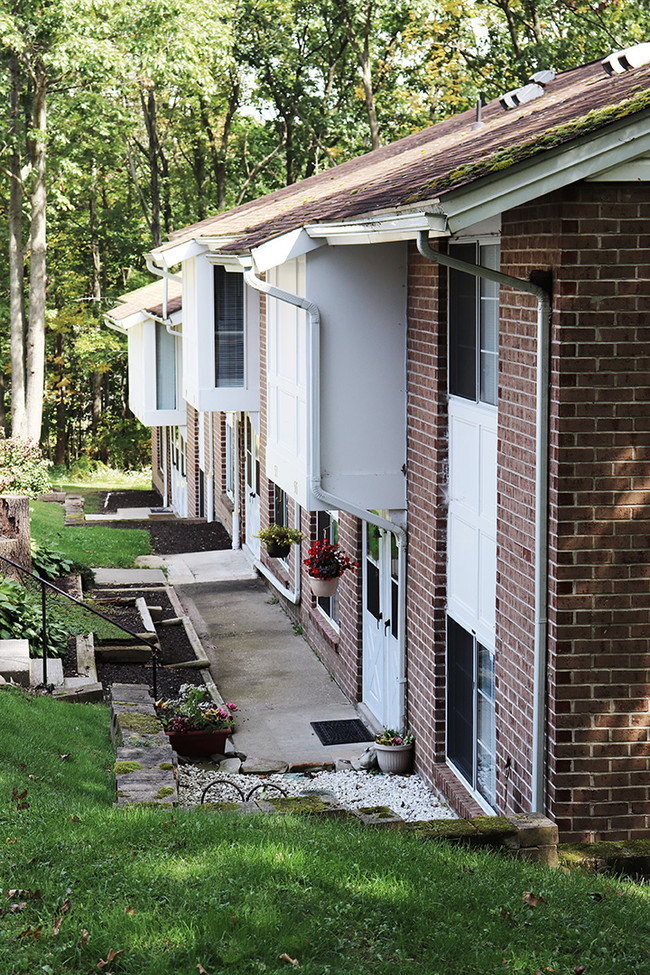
14 661
54 671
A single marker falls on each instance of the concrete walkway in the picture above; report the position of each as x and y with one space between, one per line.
256 659
271 673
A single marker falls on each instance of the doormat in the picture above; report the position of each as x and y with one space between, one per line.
341 732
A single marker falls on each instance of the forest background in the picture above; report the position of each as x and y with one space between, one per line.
121 122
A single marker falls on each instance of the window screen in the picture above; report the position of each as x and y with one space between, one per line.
165 369
474 326
462 325
228 328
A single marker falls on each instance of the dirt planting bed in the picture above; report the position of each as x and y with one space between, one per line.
175 646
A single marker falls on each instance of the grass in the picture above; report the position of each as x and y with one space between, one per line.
93 545
161 892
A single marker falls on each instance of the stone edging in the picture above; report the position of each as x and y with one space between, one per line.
146 773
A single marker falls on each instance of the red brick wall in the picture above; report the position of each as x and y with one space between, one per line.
530 240
339 649
223 505
427 464
595 239
156 460
600 627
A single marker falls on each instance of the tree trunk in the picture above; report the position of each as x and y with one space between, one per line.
37 275
149 111
60 446
95 377
16 264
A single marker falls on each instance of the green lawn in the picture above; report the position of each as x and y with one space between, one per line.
93 545
173 890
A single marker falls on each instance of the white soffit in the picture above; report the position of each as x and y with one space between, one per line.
636 170
380 229
282 249
521 184
174 254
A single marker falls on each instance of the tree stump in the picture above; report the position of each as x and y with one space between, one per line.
15 534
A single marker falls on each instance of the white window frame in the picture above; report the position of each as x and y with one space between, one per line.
328 606
482 298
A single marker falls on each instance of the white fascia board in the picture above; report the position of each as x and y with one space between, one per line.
137 318
281 249
524 183
175 254
635 171
381 228
228 262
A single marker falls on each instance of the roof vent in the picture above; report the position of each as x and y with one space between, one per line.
534 89
631 57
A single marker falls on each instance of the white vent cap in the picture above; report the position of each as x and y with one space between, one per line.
534 89
631 57
520 96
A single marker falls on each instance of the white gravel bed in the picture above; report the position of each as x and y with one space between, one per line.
408 796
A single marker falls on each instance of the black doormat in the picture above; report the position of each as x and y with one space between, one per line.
341 732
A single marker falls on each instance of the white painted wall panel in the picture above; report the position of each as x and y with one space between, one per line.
142 379
471 570
361 294
286 450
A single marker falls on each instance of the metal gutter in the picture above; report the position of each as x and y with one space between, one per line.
541 496
313 446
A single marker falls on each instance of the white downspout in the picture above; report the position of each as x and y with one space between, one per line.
166 276
236 520
165 451
313 447
210 473
541 495
294 594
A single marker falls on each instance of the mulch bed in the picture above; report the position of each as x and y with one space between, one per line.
175 646
168 536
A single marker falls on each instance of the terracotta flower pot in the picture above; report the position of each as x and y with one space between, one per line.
323 587
197 743
394 758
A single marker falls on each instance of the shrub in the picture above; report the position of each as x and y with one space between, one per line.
23 469
20 619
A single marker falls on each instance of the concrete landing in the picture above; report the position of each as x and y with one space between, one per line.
194 567
274 677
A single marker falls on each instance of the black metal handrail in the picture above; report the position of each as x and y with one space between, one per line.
44 584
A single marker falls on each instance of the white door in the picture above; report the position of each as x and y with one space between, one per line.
381 688
252 507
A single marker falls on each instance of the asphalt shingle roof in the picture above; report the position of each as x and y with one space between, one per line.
428 165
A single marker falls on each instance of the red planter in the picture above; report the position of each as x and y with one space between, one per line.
198 743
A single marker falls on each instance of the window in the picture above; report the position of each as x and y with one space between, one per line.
474 325
279 506
228 328
165 369
471 739
327 526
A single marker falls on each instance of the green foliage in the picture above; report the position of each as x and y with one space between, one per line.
21 619
23 469
172 889
49 562
94 545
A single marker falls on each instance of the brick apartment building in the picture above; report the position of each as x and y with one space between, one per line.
438 354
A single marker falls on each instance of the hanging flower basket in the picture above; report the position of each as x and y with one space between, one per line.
323 587
325 565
